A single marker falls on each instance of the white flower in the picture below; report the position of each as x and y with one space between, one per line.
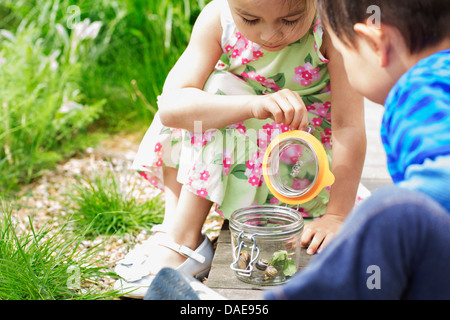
69 106
53 63
7 34
86 29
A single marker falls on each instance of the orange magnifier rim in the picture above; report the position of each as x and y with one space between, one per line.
324 176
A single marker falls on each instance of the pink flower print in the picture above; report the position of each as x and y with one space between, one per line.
245 61
153 181
204 175
250 164
306 74
228 48
202 193
262 143
143 174
268 129
276 129
208 136
291 154
326 141
303 212
254 180
258 54
158 147
285 127
177 133
327 131
238 35
261 181
196 141
201 139
276 126
274 200
227 161
310 108
251 75
327 89
321 109
316 122
159 163
220 65
241 128
300 184
270 83
257 171
257 156
263 140
235 53
260 78
220 212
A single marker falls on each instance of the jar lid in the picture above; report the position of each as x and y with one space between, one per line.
296 167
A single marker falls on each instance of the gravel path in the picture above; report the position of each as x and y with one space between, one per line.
44 200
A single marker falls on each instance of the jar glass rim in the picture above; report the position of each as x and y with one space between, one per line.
266 220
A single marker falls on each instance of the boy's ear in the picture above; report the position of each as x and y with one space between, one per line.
376 39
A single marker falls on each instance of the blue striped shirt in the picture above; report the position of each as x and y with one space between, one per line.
416 128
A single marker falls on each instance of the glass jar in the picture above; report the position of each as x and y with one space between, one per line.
266 244
266 239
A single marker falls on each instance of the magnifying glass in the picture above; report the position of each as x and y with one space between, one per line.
296 167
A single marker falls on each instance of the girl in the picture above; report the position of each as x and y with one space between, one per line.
252 69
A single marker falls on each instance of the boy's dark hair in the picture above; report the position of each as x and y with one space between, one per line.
422 23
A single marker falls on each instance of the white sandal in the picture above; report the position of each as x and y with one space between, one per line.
135 268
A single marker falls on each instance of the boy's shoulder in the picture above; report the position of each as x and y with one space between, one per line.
435 66
424 83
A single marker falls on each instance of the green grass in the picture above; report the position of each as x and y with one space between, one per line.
60 93
47 264
103 205
57 86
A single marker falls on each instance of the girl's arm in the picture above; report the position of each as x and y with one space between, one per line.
349 149
183 101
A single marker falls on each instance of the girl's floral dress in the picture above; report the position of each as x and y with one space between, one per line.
225 165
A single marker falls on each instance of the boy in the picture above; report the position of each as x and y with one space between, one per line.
396 244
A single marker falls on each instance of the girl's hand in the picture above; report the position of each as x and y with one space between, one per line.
284 106
320 232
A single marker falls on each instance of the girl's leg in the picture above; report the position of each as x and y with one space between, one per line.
172 189
189 218
184 226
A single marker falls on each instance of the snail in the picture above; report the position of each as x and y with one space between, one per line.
261 264
270 272
244 260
